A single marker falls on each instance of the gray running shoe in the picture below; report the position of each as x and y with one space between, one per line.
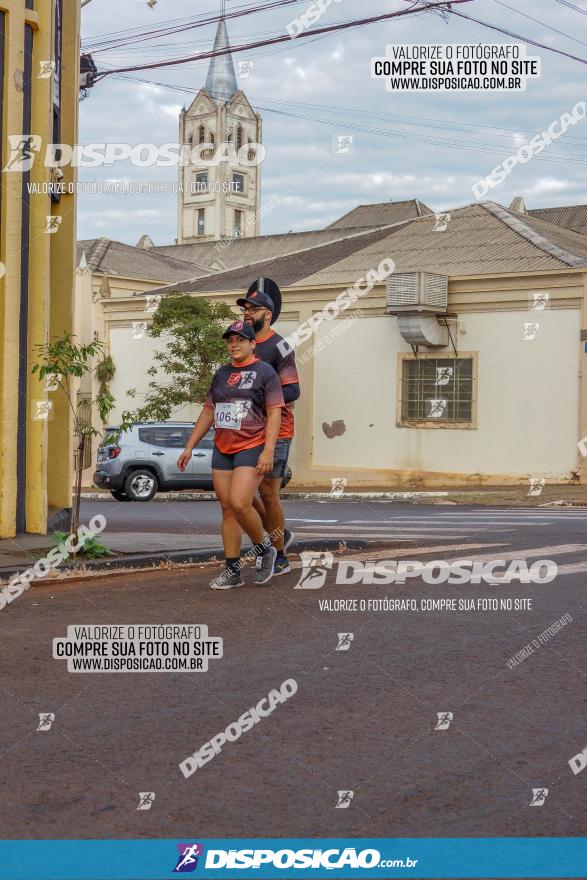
288 539
227 580
264 566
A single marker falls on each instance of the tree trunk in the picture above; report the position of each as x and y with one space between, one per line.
79 466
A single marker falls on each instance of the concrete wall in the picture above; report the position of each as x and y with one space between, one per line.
532 407
527 400
133 357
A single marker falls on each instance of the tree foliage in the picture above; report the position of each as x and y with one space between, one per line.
182 371
59 362
62 360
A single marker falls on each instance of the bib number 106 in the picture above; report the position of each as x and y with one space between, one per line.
230 415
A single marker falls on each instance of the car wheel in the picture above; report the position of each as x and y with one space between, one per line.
140 485
119 496
286 478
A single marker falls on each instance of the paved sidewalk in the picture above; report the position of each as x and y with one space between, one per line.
26 549
509 496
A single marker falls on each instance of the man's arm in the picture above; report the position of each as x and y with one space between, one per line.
265 460
291 392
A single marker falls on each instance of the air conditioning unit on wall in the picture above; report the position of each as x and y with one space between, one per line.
417 292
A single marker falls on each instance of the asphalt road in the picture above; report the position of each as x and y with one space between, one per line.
347 519
362 720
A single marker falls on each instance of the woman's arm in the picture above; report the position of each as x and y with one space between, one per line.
201 428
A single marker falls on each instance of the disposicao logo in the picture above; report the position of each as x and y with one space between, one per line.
187 861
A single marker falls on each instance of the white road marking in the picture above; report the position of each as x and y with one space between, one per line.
538 552
572 568
410 551
294 519
342 527
429 520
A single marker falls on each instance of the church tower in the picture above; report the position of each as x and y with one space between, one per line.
221 200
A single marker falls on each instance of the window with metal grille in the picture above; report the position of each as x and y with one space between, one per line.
238 183
438 389
201 181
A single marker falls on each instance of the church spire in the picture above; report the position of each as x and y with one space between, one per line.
221 80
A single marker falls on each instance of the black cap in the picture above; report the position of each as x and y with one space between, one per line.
241 328
271 289
257 298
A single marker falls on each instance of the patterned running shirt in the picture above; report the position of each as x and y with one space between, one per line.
239 397
285 367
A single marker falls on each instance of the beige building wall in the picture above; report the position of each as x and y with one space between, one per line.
527 415
532 400
133 357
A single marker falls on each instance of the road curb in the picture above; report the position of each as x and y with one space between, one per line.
288 496
150 561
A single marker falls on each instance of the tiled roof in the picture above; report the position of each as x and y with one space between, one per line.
572 217
479 239
124 260
246 251
286 270
482 238
381 214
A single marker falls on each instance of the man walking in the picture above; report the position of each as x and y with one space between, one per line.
261 310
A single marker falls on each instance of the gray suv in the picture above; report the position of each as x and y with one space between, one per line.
136 465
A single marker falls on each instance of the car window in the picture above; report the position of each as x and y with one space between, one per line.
169 438
110 437
207 442
145 435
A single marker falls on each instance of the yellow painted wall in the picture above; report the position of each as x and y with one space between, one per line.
531 400
51 266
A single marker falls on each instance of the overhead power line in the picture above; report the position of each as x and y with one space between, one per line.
285 37
537 21
509 33
432 139
572 6
180 26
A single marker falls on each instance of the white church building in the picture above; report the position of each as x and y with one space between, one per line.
221 199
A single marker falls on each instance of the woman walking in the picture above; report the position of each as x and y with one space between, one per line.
244 404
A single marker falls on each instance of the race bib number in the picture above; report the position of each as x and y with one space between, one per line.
230 415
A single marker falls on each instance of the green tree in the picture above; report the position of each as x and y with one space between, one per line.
59 363
182 371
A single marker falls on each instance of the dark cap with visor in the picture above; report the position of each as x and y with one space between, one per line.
241 328
257 298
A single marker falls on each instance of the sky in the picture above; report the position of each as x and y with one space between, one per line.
311 91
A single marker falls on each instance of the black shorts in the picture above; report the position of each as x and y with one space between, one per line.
223 461
280 457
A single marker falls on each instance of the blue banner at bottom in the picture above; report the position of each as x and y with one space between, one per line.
288 858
